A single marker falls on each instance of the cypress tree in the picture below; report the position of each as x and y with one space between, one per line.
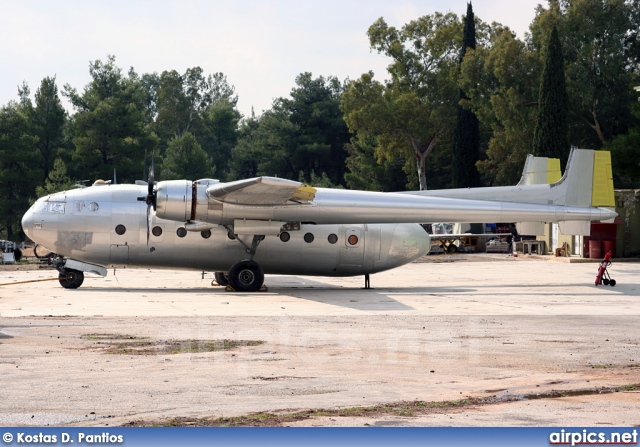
466 138
550 135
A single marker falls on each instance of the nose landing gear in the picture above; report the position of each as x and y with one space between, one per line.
71 279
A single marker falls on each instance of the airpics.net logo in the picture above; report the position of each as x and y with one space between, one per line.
586 437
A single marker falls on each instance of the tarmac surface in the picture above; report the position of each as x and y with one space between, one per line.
535 340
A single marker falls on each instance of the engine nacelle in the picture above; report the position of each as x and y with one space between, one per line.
174 199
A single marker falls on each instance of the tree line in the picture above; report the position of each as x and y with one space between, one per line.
463 103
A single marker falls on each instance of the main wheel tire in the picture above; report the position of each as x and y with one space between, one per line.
17 254
71 279
246 276
222 278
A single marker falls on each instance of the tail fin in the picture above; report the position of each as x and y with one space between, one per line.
540 170
587 181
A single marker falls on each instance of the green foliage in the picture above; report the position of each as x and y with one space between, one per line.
220 133
625 155
190 120
203 106
411 113
185 159
466 137
19 168
47 120
366 172
110 126
57 180
600 61
499 78
550 134
301 134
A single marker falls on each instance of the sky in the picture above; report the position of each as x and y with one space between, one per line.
261 46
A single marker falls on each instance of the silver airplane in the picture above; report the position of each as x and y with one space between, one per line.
243 229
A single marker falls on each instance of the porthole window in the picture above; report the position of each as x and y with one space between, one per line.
284 236
353 239
308 238
156 231
206 234
120 229
333 238
181 232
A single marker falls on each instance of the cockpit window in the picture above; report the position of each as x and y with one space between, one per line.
41 207
56 207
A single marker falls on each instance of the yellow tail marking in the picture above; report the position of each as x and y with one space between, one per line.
602 193
553 170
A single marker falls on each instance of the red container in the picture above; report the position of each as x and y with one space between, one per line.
607 246
595 249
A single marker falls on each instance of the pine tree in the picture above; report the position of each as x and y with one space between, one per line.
466 138
550 135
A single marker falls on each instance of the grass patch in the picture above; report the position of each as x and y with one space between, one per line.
132 345
265 419
402 409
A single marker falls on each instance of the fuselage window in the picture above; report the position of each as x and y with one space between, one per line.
206 234
181 232
308 238
353 239
333 238
156 231
121 229
284 236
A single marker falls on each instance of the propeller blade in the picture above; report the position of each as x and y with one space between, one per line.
152 174
148 222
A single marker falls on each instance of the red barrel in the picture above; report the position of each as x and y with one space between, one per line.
607 246
595 249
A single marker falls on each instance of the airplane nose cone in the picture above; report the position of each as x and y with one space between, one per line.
27 223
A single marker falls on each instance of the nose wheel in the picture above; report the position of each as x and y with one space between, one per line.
246 276
71 279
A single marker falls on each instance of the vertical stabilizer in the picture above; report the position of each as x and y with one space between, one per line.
540 170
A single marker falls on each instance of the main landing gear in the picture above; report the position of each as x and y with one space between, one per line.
245 275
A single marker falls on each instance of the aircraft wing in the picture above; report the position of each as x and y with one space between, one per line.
273 200
263 191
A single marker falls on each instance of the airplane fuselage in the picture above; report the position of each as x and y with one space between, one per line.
107 225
